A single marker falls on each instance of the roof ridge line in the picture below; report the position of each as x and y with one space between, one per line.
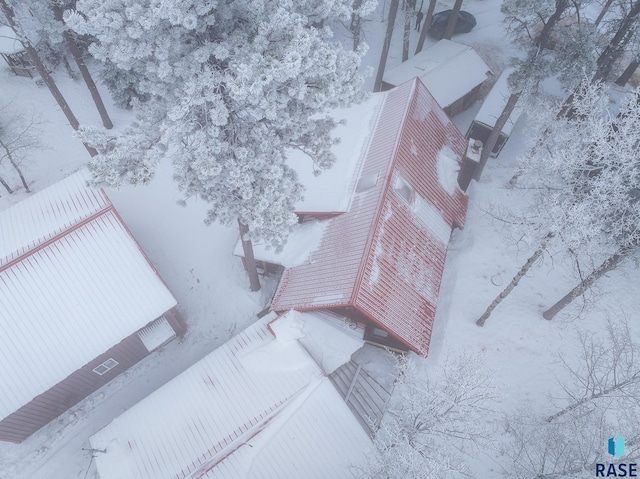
269 414
387 179
56 236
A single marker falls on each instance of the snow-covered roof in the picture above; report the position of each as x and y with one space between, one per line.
385 256
495 103
73 283
448 69
9 43
330 191
257 407
301 242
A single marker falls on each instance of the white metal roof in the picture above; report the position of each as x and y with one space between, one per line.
495 103
9 43
331 190
258 406
73 283
448 69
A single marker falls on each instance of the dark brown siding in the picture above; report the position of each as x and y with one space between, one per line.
50 404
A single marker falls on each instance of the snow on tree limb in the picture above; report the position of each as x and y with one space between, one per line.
223 92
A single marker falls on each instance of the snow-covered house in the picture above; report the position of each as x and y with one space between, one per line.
491 108
12 51
79 303
259 406
394 200
452 72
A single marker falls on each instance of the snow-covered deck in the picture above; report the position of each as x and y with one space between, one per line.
259 406
73 283
331 191
448 69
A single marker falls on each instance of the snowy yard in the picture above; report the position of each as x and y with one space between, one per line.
520 349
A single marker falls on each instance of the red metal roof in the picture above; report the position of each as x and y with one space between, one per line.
385 256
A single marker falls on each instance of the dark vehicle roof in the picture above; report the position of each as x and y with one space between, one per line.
464 23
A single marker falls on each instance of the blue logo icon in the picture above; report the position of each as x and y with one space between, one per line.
616 446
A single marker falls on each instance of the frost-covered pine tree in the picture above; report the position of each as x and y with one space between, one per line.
223 89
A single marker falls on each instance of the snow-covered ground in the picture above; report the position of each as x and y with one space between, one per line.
520 347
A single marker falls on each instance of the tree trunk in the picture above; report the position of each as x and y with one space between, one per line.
603 12
249 259
628 72
6 186
616 46
448 33
544 38
425 25
408 17
86 75
495 133
64 106
605 267
356 25
393 11
514 282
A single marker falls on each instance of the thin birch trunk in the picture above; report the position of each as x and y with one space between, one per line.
603 12
604 268
495 133
6 186
514 282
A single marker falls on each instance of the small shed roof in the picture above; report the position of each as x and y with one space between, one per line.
257 407
9 43
73 283
495 102
385 256
330 191
448 69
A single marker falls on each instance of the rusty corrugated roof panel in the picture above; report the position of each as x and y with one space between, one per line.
386 255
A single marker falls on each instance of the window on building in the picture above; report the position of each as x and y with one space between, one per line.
380 333
366 182
403 188
108 365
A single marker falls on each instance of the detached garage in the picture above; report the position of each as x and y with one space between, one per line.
79 300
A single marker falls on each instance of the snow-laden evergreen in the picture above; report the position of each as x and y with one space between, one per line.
223 88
